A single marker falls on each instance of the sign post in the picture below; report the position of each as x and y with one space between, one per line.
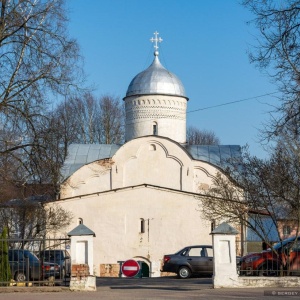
130 268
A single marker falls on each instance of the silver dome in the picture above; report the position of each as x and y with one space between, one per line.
155 80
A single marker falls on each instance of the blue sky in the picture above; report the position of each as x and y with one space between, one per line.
205 43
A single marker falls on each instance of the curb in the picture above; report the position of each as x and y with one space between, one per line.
34 289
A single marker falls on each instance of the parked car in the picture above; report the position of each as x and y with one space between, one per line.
25 265
269 262
191 260
60 257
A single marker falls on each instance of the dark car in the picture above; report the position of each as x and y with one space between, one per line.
189 261
25 265
60 257
286 257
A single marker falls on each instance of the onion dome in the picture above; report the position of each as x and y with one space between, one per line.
156 80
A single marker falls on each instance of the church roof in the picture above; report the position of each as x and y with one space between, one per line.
82 154
156 80
217 155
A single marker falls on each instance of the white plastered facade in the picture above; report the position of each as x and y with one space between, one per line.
149 178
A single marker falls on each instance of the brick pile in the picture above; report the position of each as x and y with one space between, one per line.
79 271
109 270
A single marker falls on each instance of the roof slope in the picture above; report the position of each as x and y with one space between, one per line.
82 154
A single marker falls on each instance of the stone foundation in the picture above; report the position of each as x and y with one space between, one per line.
80 278
255 282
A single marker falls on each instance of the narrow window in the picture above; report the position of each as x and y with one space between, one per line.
212 225
286 230
154 128
142 225
80 221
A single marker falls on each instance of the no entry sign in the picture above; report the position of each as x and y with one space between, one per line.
130 268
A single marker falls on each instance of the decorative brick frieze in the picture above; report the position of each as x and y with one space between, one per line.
156 114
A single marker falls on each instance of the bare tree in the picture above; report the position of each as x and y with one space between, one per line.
196 136
37 60
88 120
28 219
253 190
277 53
84 111
112 120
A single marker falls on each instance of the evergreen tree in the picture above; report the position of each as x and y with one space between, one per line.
5 273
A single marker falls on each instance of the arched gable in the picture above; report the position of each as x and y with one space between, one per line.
153 164
90 178
151 160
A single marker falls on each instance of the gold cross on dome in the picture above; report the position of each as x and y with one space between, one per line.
156 40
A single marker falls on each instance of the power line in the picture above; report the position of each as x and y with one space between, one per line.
218 105
232 102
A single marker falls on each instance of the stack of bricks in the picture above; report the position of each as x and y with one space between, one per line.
79 271
109 270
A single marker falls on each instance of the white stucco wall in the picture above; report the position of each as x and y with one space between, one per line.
150 178
172 221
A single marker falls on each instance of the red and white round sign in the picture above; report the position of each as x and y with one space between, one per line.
130 268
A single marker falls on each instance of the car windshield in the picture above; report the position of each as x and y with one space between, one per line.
23 254
53 255
33 257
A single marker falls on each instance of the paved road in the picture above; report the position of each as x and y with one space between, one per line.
149 288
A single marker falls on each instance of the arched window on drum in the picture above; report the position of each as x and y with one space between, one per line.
155 128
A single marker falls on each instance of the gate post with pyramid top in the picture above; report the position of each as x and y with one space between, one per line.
225 268
82 253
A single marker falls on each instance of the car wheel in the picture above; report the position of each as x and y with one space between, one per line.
20 276
184 272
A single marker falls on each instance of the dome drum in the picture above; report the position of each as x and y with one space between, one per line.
168 112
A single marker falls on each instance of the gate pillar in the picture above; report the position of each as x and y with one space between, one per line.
82 253
225 264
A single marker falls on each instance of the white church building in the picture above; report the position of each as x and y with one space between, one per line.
140 198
